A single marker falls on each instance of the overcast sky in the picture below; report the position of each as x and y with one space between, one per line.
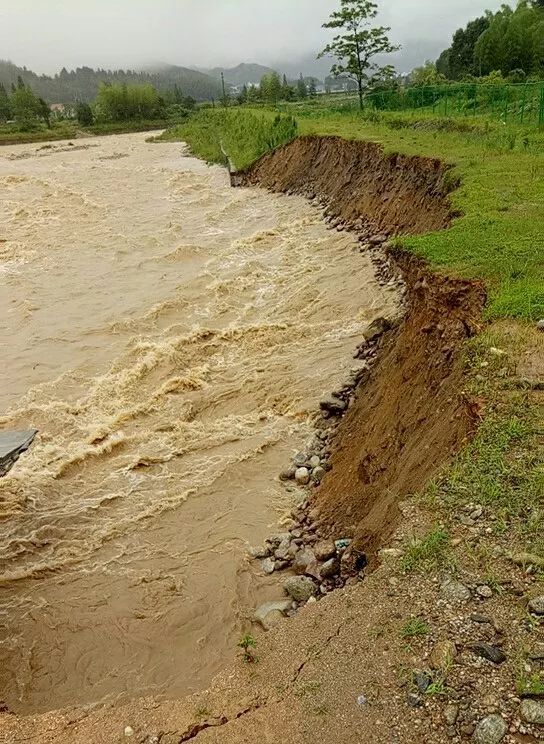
45 35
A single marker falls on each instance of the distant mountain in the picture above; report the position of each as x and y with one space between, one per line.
241 74
82 83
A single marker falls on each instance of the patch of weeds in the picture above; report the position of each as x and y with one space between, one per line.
437 687
493 582
416 627
428 552
530 684
248 644
202 712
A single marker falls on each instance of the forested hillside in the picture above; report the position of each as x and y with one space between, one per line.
82 83
510 41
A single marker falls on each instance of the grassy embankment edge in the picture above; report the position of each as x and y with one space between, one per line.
497 238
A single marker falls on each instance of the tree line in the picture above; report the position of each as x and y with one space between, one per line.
273 88
509 43
114 102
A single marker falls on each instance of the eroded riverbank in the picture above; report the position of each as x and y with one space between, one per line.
169 337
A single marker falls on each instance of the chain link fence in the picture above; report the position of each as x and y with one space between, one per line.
514 103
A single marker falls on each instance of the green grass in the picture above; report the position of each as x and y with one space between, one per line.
244 135
428 552
415 627
502 468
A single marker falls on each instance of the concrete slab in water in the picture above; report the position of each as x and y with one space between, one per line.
12 444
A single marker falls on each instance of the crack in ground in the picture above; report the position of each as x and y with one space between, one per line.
314 655
193 731
197 728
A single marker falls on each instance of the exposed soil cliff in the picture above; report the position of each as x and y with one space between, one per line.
411 414
360 184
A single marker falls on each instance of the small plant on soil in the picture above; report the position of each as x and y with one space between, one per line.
532 684
248 644
416 627
429 552
437 687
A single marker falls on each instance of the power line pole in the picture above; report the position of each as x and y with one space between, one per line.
224 91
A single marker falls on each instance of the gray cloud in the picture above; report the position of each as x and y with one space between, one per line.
47 34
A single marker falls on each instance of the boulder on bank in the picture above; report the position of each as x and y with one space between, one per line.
300 588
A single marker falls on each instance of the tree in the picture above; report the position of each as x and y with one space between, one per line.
271 87
427 74
461 60
84 114
359 43
45 112
26 107
5 107
302 90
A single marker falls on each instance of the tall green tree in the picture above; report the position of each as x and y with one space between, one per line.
358 43
26 107
302 90
5 106
271 87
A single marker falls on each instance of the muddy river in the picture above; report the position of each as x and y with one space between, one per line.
170 338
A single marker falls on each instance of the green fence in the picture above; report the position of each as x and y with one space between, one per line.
519 104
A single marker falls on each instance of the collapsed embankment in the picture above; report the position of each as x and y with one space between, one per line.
411 415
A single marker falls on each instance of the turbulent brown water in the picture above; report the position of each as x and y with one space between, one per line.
170 337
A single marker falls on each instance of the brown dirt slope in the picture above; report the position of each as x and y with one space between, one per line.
411 415
396 194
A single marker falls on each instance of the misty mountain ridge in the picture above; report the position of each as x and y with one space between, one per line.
82 83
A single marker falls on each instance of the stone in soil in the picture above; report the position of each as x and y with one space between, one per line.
324 550
536 605
454 590
489 652
300 588
317 474
532 711
451 713
302 476
300 459
268 565
270 613
422 680
490 730
333 406
442 655
484 591
376 329
330 568
314 461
